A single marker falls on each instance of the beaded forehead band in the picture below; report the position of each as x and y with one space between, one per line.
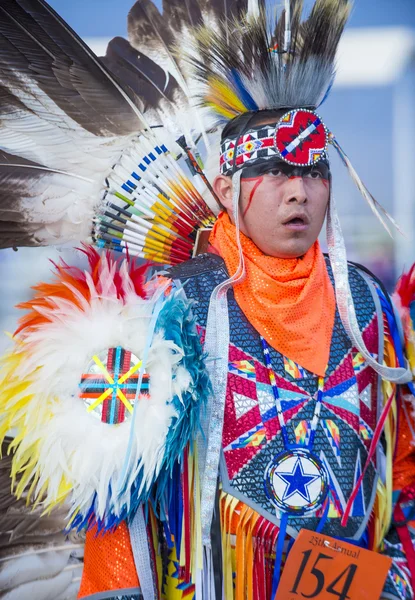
299 138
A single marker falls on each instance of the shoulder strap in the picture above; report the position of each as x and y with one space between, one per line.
199 265
388 309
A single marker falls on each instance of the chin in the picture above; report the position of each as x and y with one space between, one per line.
280 253
294 247
288 251
288 255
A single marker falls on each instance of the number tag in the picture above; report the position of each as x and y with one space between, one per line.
323 568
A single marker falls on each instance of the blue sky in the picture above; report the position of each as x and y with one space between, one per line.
108 17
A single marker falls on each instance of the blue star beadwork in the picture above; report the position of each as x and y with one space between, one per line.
296 481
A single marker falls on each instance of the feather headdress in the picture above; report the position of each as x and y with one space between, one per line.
88 146
267 63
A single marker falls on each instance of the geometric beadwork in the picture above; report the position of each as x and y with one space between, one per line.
332 432
243 368
346 420
109 385
293 369
302 432
301 137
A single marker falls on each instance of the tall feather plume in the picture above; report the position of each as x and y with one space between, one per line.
155 35
158 35
251 70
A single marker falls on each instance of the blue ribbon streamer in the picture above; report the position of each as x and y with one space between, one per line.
278 554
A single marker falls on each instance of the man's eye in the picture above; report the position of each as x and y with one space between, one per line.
275 173
315 174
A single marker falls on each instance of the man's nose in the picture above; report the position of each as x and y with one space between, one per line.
295 190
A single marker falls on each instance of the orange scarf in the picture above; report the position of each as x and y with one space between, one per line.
290 302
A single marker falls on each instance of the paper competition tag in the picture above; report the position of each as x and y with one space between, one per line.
323 568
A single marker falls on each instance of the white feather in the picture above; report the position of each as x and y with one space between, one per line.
24 569
70 441
43 589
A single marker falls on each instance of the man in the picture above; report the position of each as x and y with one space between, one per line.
303 351
301 404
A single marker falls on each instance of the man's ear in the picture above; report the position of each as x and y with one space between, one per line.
222 186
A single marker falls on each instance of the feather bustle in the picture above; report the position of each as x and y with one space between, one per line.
69 320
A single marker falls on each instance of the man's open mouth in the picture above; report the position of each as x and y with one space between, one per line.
297 221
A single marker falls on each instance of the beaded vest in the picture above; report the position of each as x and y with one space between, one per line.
350 406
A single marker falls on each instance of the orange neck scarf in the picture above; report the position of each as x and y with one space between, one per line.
290 302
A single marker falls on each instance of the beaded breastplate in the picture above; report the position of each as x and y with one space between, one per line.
255 465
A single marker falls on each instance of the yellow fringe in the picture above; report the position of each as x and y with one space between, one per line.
383 504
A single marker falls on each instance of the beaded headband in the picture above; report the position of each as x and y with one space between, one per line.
299 138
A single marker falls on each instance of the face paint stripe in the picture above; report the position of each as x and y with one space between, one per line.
251 195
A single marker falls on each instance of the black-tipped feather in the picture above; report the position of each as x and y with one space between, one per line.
30 543
143 75
31 195
37 43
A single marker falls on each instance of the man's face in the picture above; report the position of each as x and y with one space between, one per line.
281 207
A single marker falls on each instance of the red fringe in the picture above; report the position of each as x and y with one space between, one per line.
70 279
